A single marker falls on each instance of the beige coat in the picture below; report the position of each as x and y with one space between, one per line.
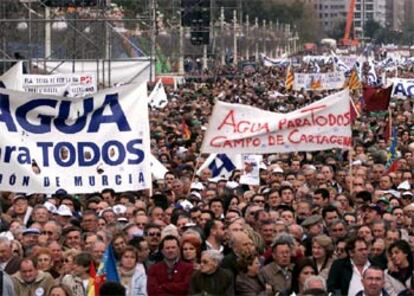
274 275
40 286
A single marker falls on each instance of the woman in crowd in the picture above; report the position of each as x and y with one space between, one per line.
68 262
248 281
191 250
132 273
211 279
303 269
399 275
59 290
44 261
322 254
119 242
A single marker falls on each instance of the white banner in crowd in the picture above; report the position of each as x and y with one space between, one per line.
221 165
158 97
82 145
236 128
13 78
402 88
70 85
319 81
111 73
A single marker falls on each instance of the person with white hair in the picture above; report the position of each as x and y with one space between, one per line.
211 279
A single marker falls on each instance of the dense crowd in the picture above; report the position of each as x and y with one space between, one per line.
324 222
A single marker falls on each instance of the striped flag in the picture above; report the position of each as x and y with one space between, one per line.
95 281
353 81
289 78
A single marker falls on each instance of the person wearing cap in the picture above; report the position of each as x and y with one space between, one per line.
21 209
64 215
31 281
313 227
30 239
372 213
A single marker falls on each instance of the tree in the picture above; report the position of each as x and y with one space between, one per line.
372 28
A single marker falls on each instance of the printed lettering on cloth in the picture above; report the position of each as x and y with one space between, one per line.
82 145
402 88
241 129
70 85
319 81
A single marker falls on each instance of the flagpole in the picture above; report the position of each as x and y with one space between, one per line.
198 164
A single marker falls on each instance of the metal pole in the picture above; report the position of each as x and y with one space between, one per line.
256 25
247 37
181 58
223 50
235 37
204 56
264 37
48 34
152 51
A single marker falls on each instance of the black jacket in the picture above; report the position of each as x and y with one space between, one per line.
340 276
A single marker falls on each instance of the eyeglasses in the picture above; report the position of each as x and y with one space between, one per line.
47 232
154 234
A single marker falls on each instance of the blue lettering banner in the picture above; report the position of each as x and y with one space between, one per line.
79 144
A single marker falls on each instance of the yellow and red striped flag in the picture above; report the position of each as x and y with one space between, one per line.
290 77
353 81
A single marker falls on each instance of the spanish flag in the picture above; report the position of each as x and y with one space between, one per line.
95 281
186 132
353 81
290 77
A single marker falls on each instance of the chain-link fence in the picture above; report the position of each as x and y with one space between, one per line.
30 30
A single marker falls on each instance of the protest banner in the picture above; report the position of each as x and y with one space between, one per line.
82 145
403 88
318 81
242 129
71 85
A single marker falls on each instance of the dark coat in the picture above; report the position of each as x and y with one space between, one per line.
340 276
13 265
361 293
218 283
161 283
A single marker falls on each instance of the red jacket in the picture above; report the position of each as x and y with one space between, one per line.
160 284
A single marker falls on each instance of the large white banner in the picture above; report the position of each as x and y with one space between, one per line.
82 145
241 129
108 73
71 85
402 88
319 81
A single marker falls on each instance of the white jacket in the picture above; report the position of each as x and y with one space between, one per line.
138 284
